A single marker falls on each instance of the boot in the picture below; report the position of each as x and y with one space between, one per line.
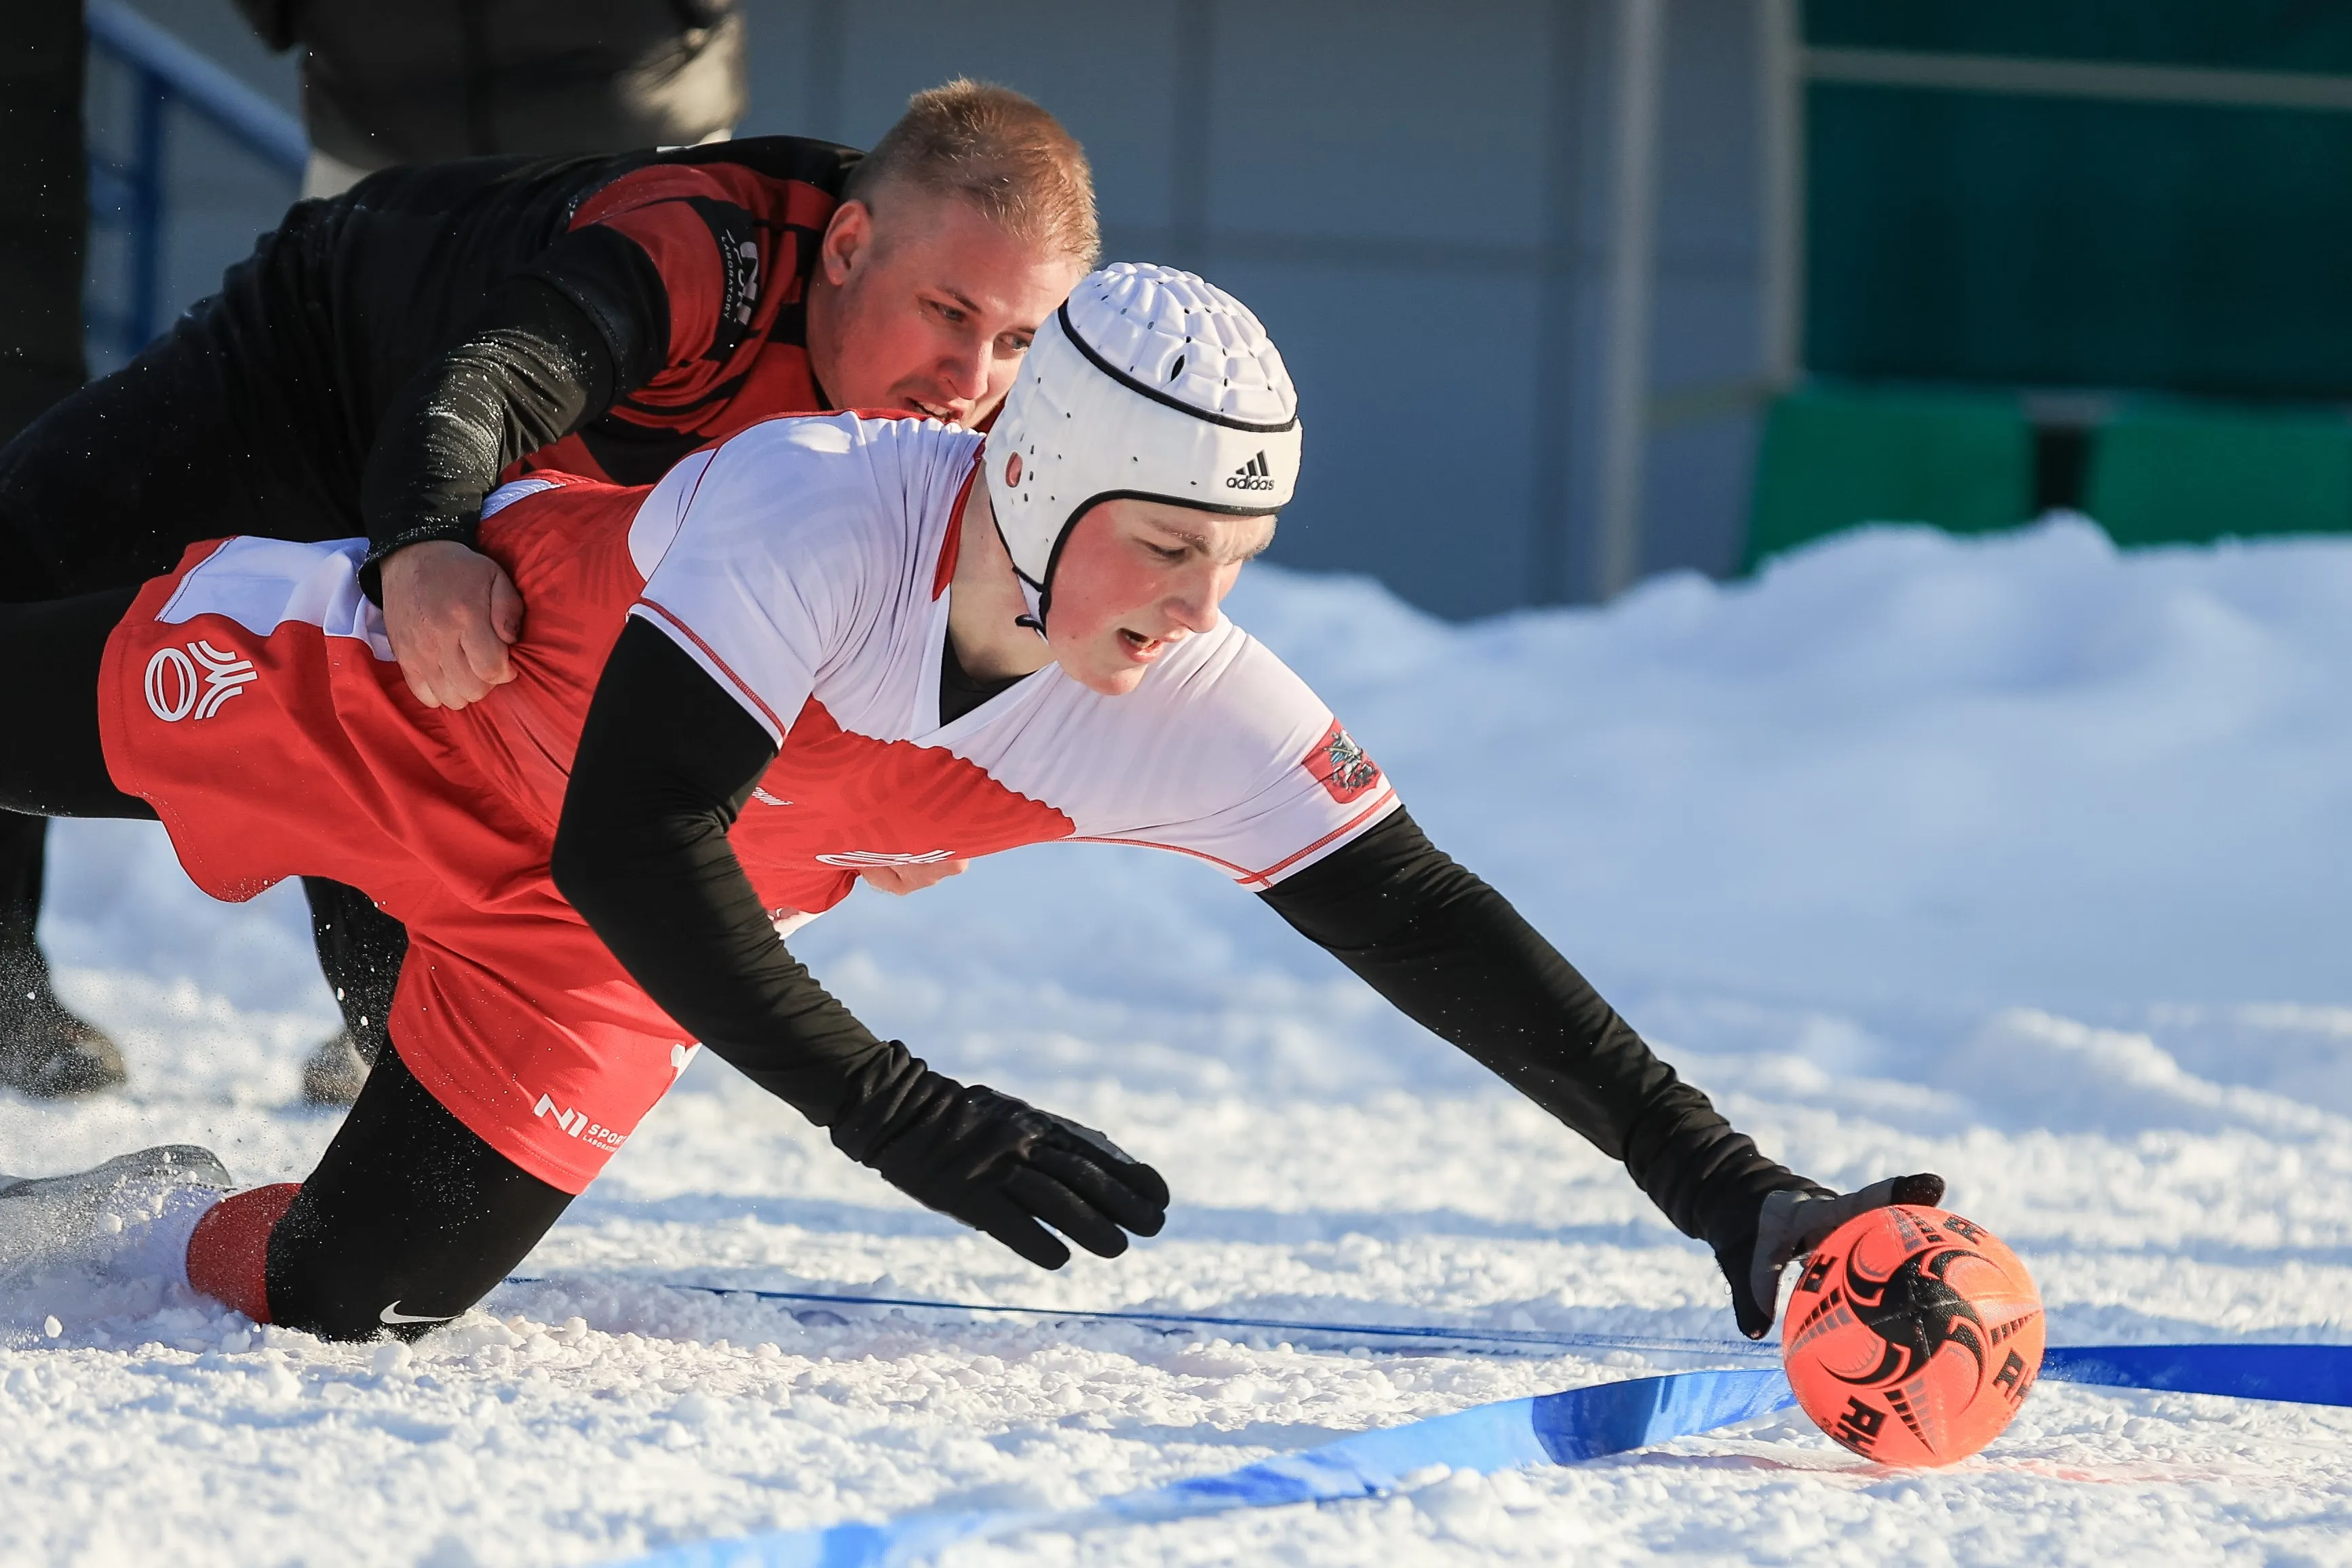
45 1049
337 1069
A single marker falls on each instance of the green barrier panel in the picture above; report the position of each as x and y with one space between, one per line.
2025 239
2161 475
1833 458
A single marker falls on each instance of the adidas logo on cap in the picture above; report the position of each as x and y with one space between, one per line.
1251 476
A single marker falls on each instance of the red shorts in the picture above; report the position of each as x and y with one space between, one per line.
249 697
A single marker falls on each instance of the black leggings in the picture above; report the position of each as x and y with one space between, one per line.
220 426
410 1219
409 1213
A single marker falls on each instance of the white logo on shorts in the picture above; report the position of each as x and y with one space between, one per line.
173 692
577 1124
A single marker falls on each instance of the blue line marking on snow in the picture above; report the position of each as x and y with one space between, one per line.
1554 1428
2294 1373
1550 1430
2297 1373
1514 1339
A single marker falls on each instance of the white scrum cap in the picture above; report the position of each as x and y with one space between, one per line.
1147 383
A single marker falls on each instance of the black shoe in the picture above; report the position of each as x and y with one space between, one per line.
45 1049
336 1071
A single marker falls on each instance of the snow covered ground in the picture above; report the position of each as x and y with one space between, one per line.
2012 859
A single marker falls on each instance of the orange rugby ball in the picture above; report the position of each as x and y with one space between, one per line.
1913 1336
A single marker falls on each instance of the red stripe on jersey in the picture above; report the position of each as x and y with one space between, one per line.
952 546
1243 874
743 691
1388 798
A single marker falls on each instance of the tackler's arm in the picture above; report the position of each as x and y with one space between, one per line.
550 353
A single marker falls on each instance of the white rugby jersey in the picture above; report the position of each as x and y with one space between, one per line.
805 566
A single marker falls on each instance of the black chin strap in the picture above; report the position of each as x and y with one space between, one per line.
1044 595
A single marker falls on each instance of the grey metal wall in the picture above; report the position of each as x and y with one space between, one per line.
216 199
1414 196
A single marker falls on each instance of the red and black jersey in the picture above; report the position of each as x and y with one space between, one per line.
410 263
602 315
732 248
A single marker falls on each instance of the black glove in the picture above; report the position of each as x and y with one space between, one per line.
998 1164
1788 1224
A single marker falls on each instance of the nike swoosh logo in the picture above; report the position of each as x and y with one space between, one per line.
393 1315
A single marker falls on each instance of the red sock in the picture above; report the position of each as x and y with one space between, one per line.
229 1253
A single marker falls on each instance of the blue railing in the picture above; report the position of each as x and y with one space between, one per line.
166 73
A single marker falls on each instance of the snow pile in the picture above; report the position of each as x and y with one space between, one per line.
2011 858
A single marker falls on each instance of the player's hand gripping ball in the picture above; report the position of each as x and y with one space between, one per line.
1912 1336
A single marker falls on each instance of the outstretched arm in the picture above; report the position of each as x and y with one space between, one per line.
1453 955
664 765
666 762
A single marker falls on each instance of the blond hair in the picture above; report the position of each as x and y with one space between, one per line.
999 151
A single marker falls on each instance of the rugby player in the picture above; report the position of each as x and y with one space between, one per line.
821 646
385 356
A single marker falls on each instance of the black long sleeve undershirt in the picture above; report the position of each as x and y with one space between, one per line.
551 351
1452 954
668 757
666 761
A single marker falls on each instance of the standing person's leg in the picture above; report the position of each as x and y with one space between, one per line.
44 185
52 651
44 1049
108 461
200 437
204 434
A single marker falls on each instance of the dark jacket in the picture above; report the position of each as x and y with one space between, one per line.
422 82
